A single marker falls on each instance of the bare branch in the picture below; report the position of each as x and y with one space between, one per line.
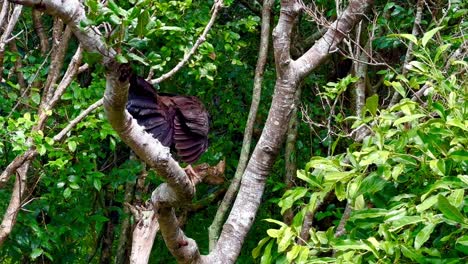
329 42
5 38
39 28
76 120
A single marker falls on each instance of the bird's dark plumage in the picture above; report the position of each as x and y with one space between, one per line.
178 122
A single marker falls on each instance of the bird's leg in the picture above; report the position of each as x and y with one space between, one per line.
193 176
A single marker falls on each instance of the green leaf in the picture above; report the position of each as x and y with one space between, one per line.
348 244
266 258
302 175
463 240
135 57
449 211
257 250
36 98
428 35
409 37
36 253
97 184
72 145
407 119
285 240
399 88
121 58
400 222
276 222
340 191
293 253
67 193
372 104
143 20
423 235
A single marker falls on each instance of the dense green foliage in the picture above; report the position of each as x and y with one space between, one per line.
406 182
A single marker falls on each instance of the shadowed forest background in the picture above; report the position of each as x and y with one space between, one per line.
374 163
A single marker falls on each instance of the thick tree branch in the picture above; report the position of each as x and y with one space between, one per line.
72 13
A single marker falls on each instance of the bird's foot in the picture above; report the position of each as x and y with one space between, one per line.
192 174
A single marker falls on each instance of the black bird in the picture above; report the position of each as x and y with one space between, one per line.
179 122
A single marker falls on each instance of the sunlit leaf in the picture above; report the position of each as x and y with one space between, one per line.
428 35
449 211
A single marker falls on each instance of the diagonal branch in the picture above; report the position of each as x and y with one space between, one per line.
334 35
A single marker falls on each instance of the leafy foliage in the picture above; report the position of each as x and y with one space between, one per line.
405 183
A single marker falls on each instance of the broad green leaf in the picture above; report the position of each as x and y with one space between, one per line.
428 35
423 235
428 203
36 253
410 253
369 213
36 98
372 184
372 104
171 28
143 20
257 250
456 197
463 240
409 37
340 191
121 59
338 176
67 193
448 210
420 66
404 221
97 184
350 244
441 50
293 253
274 233
285 240
72 145
399 88
135 57
266 257
302 175
407 119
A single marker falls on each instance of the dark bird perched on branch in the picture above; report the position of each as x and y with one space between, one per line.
178 122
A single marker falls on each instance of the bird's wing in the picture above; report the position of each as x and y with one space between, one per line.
156 118
191 126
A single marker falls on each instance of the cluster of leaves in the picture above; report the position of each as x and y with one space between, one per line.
405 183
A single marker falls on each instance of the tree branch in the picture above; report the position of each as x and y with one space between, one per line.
215 226
334 35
